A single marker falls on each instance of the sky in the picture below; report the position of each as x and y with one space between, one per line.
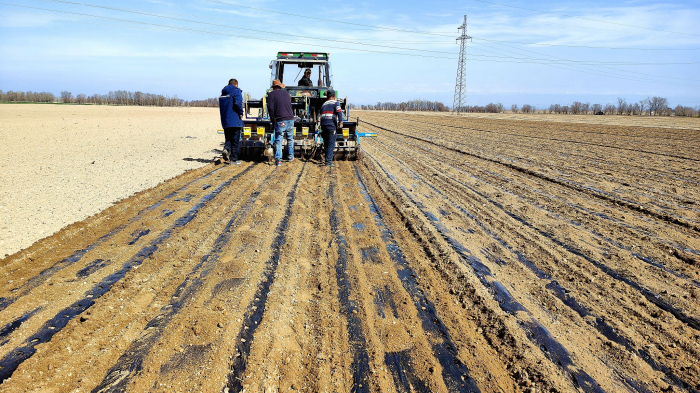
520 52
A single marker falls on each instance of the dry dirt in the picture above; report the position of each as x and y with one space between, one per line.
459 254
686 123
63 163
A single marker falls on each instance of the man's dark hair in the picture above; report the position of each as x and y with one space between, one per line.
233 82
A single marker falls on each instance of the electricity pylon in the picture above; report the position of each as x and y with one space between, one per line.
460 100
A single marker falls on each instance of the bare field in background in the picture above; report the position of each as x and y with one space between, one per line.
689 123
62 163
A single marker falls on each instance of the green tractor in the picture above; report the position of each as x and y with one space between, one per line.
258 132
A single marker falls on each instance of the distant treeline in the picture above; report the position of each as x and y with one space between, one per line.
653 106
119 97
413 105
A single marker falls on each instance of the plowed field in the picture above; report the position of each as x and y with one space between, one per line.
459 255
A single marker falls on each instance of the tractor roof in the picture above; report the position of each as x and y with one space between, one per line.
302 55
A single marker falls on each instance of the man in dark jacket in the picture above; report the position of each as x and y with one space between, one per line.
306 80
279 106
331 120
231 110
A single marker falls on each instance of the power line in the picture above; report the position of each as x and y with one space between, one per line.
85 20
561 63
588 19
587 46
304 36
138 12
585 62
581 68
229 34
560 58
329 20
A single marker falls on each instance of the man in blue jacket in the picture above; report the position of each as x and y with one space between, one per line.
231 109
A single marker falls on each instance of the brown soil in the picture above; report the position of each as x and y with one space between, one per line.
457 255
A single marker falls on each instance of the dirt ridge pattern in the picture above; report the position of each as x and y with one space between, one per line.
460 254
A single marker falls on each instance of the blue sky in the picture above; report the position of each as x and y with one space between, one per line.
535 52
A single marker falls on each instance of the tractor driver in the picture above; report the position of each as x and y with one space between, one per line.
306 80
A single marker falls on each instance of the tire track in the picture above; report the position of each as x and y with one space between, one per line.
45 274
561 140
557 289
130 364
10 362
639 232
648 294
255 310
455 374
348 307
568 184
535 331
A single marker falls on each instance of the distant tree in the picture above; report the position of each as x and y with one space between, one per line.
514 108
635 109
585 108
657 105
596 108
527 108
643 105
681 110
494 108
621 105
66 96
576 108
609 109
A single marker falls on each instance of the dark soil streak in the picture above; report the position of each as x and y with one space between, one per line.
651 296
565 183
535 331
78 255
455 373
92 267
14 325
138 235
12 360
400 365
557 140
255 310
357 340
131 362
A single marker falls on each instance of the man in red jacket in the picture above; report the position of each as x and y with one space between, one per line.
331 120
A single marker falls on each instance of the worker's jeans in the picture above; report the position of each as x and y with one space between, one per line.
233 141
282 127
328 135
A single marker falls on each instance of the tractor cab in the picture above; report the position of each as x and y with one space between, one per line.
288 68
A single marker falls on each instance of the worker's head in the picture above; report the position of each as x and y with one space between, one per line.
233 82
276 84
330 94
307 72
